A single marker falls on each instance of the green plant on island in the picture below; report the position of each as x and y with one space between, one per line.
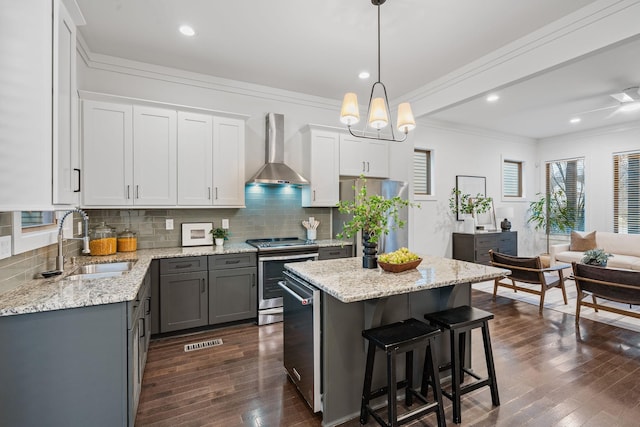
596 257
374 215
465 204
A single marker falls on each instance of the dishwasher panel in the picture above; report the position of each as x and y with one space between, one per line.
301 336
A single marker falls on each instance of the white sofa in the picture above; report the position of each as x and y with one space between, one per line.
624 247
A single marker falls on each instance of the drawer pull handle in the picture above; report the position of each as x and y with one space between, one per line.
236 261
334 253
182 266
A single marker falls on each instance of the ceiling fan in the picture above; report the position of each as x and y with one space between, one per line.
628 101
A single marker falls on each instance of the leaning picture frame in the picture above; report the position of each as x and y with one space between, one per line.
486 221
197 233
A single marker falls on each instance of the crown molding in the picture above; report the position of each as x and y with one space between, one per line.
593 27
203 81
601 131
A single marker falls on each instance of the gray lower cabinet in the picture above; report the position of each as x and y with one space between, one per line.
75 367
204 290
183 293
233 295
333 252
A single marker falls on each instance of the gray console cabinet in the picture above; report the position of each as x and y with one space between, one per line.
475 247
74 367
184 293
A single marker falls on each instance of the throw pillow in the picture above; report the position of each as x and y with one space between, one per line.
582 243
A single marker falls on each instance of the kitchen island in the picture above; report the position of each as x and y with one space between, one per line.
354 299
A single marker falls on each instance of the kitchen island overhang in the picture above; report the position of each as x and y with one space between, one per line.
354 299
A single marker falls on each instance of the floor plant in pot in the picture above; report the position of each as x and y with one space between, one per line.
550 212
373 215
468 206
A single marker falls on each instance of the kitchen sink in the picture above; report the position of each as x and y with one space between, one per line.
99 271
109 267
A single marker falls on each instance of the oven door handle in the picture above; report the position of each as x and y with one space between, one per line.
302 301
287 257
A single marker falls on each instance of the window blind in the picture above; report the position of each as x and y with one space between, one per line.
626 193
422 172
512 178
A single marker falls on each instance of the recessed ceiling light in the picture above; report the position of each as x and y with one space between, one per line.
364 75
492 98
187 30
575 120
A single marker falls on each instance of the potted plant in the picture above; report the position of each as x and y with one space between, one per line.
596 257
220 235
549 213
464 204
373 215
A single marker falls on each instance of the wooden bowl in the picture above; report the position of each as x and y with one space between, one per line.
397 268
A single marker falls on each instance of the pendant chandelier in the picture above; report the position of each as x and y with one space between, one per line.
378 112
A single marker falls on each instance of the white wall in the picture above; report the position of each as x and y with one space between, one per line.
465 151
458 151
597 147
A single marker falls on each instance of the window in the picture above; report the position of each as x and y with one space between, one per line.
626 193
422 181
34 219
37 229
511 178
565 185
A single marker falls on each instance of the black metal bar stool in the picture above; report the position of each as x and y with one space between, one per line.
395 338
458 321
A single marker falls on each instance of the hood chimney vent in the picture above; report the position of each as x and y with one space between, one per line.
275 171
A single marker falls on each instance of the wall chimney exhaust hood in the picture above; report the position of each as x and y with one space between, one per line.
275 171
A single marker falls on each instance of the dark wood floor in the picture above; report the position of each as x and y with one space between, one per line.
550 373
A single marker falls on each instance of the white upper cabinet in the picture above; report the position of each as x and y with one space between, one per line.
25 105
107 143
66 166
210 161
363 157
321 160
195 159
228 162
154 156
138 154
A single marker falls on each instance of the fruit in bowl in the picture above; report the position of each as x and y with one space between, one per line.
401 260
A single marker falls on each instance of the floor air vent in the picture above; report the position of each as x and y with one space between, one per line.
203 344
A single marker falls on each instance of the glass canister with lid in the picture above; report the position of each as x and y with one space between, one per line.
102 240
127 241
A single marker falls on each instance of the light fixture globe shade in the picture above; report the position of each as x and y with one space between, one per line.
406 122
350 114
378 114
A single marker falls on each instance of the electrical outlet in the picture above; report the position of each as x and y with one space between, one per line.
225 224
79 227
5 247
168 224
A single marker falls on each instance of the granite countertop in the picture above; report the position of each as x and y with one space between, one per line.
346 280
39 295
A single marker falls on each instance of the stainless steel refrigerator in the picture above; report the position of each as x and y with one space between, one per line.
387 188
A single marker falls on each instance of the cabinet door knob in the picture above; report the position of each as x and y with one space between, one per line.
202 289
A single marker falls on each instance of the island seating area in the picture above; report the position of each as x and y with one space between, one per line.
550 372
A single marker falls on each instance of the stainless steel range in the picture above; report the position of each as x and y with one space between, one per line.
273 254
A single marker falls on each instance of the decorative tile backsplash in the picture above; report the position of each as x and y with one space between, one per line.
271 211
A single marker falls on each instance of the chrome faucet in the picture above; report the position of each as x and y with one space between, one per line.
84 238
